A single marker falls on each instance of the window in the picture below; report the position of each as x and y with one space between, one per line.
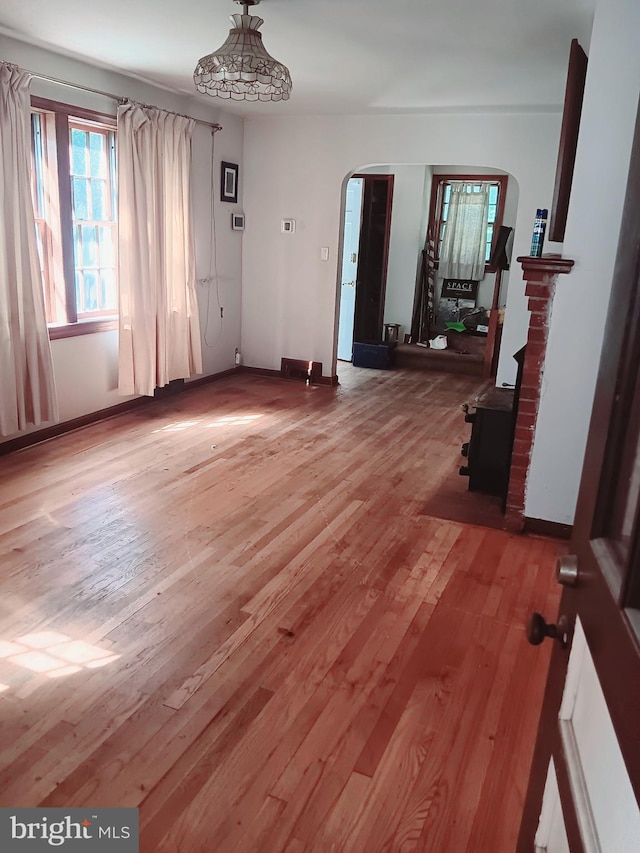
441 193
74 194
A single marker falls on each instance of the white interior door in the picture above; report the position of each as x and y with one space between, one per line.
351 241
607 810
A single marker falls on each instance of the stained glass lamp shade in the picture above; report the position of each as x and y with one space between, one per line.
242 69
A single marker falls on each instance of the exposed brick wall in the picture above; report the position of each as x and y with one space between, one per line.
541 275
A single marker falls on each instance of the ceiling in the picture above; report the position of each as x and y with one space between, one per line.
345 56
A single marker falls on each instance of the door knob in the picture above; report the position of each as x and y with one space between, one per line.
538 630
567 570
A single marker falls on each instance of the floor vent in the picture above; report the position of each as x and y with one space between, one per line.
301 370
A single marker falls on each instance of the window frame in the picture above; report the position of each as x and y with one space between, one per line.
60 247
436 204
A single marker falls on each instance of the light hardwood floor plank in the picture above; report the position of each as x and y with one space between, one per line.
270 646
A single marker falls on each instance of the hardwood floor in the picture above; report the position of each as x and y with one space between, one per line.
230 610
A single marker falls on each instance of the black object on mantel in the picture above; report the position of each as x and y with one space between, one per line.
502 249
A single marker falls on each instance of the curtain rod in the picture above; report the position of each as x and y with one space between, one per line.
119 98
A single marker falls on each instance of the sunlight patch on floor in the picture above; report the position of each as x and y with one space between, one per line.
234 420
178 426
227 420
52 654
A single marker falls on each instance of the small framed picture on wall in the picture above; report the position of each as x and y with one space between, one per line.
229 182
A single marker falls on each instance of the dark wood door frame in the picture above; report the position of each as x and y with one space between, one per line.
495 263
370 294
607 592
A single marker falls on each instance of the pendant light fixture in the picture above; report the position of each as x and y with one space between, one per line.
242 69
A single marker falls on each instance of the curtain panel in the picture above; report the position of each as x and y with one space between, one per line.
159 325
464 243
27 388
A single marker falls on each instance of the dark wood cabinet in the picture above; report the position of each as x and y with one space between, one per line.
488 451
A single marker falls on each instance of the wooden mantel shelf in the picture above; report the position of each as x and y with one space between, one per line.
535 269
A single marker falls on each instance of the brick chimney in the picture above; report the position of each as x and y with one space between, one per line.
540 275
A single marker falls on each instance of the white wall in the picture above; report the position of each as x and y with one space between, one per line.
579 310
289 295
86 366
218 248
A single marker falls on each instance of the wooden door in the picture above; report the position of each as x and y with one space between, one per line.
587 756
372 261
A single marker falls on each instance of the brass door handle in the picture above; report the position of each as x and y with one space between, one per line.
567 570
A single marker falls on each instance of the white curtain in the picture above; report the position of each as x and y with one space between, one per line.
464 244
159 327
27 389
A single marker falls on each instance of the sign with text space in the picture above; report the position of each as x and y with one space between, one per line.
458 288
112 830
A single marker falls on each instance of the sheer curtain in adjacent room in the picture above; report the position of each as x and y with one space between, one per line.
464 245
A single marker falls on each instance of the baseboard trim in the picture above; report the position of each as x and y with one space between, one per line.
552 529
262 371
55 430
212 377
330 381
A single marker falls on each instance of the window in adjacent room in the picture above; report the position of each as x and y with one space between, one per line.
74 193
441 192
